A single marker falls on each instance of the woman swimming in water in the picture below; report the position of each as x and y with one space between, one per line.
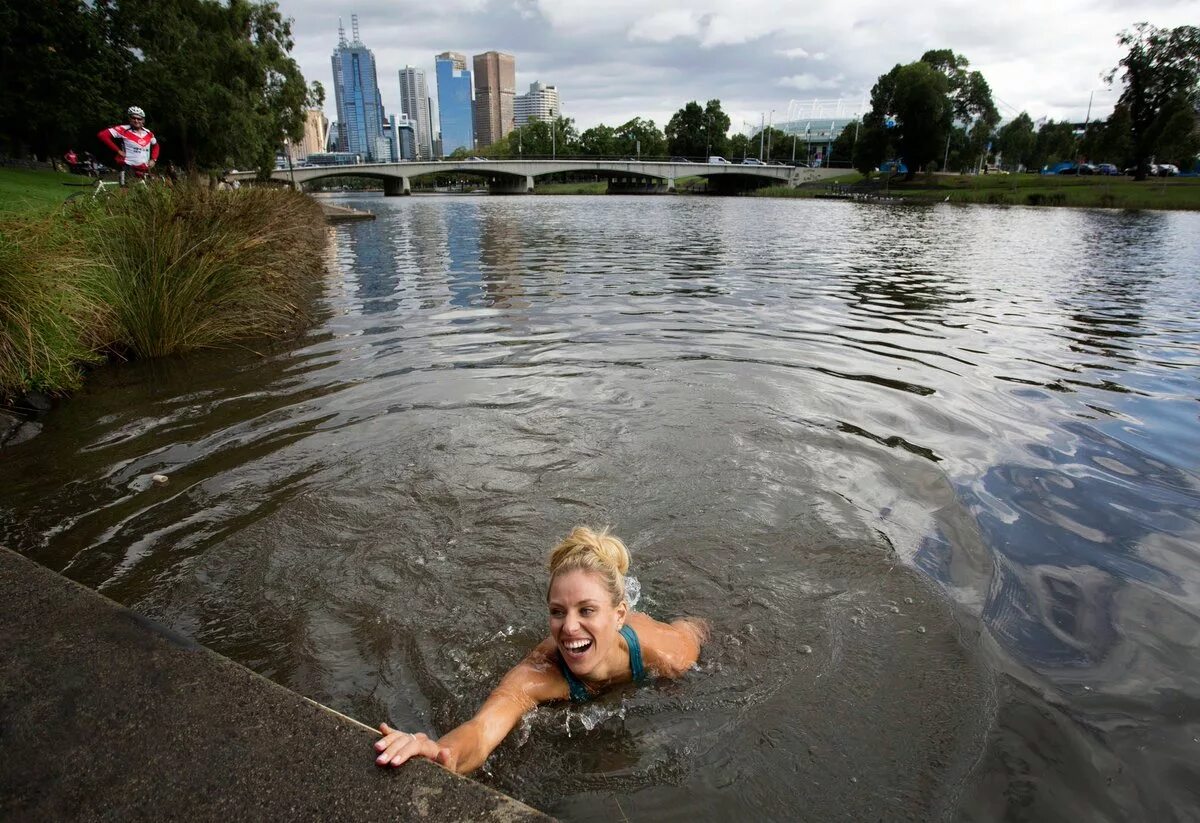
596 642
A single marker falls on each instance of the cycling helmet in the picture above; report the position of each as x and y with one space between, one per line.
135 111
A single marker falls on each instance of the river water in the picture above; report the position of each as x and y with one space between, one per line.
932 473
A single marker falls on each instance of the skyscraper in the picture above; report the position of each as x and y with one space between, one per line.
541 103
454 102
414 102
356 90
495 88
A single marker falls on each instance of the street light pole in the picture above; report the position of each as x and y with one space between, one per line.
287 150
762 135
770 120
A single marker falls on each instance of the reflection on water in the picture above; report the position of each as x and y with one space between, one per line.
932 473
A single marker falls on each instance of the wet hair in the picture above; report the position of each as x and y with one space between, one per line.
597 552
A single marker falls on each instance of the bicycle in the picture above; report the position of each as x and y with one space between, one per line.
98 191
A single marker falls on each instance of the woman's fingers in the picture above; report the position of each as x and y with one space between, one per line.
400 747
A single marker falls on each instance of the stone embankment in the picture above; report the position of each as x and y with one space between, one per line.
105 714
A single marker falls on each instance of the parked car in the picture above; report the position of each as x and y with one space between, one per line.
717 159
1167 170
1107 169
752 161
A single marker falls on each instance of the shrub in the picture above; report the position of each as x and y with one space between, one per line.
1054 198
190 267
48 322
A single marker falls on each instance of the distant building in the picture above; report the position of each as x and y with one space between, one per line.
356 90
540 103
455 113
495 89
316 134
414 103
402 137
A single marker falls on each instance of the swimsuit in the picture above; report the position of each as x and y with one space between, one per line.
580 693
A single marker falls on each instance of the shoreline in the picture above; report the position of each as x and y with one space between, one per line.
110 714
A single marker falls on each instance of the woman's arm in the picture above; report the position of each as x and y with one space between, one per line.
534 680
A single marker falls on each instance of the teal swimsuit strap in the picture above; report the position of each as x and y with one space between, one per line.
580 693
635 654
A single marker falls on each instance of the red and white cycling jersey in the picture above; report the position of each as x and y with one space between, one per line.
139 145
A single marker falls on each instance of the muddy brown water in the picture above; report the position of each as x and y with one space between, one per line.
931 473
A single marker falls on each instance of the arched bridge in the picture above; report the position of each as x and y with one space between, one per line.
518 176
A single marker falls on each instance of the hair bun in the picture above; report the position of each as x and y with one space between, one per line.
592 550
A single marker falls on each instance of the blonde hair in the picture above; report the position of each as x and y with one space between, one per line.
597 552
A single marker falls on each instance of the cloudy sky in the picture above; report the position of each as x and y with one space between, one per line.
616 59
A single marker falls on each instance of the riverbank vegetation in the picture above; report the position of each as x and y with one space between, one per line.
149 272
1177 193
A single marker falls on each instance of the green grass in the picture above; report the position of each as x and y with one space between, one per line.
1175 193
150 272
50 326
27 191
600 187
1056 190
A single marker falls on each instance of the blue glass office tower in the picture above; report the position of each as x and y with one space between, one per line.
455 109
356 90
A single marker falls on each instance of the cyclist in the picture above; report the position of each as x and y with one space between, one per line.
134 144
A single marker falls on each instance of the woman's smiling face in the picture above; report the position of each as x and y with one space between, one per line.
583 620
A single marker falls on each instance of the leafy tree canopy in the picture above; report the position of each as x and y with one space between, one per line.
918 95
214 76
1160 74
698 132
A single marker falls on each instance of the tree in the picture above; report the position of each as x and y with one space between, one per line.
215 78
316 95
1055 143
774 144
698 132
640 137
918 96
1015 141
739 147
599 141
842 150
537 138
61 81
1161 78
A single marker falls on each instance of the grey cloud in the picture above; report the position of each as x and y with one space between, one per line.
604 74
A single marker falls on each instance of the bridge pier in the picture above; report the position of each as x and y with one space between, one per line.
511 185
396 186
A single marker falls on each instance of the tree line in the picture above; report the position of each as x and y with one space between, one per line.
215 77
935 113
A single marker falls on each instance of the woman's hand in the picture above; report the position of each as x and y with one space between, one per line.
397 747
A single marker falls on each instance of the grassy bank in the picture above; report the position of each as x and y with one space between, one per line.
149 272
600 187
28 191
1176 193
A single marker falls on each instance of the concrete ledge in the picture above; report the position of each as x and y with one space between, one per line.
107 715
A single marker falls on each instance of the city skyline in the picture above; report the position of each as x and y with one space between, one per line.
621 61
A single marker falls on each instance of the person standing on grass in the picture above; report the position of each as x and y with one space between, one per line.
135 145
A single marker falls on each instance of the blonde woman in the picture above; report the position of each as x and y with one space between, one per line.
596 642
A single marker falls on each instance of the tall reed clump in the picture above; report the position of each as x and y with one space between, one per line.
189 267
50 324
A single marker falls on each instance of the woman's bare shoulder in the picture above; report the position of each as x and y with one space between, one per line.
537 677
669 649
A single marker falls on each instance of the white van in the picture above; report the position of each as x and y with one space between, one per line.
716 159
